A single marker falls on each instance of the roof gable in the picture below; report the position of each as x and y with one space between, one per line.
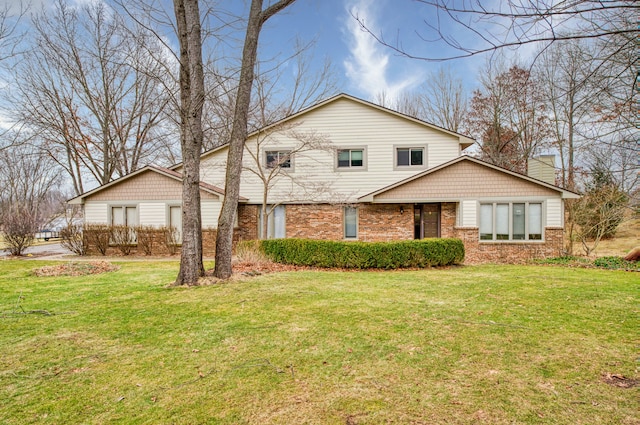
464 177
150 182
464 141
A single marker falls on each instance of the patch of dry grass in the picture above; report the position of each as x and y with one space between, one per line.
76 269
627 237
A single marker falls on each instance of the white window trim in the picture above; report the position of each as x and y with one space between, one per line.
350 168
287 150
425 160
543 214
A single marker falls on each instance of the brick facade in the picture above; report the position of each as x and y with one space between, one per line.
509 252
377 223
386 222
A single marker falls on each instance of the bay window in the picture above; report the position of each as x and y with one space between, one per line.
510 221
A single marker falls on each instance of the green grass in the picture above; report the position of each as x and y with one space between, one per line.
485 344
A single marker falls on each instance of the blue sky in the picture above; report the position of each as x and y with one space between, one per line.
365 67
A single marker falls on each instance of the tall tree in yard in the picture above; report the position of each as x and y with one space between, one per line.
88 89
224 241
507 117
191 102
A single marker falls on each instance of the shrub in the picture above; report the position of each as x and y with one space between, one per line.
250 252
19 227
72 238
363 255
97 237
171 239
147 237
123 237
615 263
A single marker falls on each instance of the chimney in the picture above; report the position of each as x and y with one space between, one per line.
543 168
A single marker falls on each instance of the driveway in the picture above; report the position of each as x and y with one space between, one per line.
43 251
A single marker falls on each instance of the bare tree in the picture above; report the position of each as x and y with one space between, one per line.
507 115
440 100
92 94
224 241
10 35
472 28
444 100
28 178
600 210
273 165
192 95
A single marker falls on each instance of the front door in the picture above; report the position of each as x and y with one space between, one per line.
427 220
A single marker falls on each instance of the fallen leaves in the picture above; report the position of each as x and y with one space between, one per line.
619 381
73 268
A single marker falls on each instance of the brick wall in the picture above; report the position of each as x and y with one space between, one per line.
376 222
315 221
509 252
385 222
447 220
247 222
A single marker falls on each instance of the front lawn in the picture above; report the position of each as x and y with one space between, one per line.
483 344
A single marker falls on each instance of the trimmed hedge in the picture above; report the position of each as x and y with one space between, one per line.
364 255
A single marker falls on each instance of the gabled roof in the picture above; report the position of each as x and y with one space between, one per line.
465 141
154 168
566 194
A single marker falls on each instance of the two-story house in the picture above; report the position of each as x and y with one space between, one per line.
346 169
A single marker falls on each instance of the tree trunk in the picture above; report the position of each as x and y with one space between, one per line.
191 99
224 240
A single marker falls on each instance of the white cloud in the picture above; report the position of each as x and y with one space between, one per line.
368 65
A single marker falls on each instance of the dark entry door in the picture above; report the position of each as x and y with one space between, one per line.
427 221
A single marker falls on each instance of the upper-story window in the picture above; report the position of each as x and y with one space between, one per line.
351 158
280 159
410 156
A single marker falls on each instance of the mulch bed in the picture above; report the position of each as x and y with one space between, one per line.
76 269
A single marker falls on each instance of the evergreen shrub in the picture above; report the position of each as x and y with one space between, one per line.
364 255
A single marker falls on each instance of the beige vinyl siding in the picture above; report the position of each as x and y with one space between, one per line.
153 214
210 213
469 213
554 212
96 213
345 124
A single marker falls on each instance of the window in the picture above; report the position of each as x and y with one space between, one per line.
350 223
410 157
280 159
275 222
175 221
351 158
124 216
516 221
